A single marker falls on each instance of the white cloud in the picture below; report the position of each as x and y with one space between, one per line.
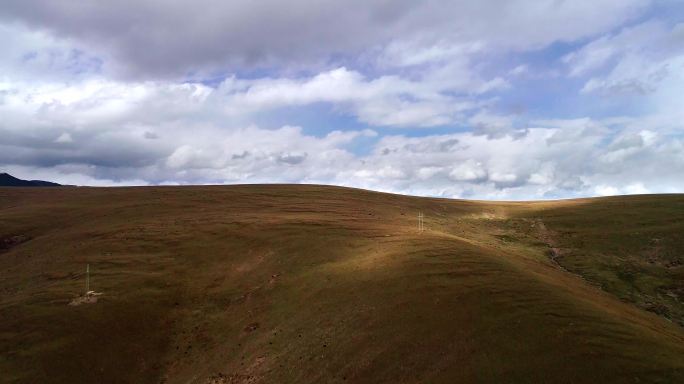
384 101
519 70
34 55
468 170
606 190
102 131
133 93
636 60
492 125
64 138
601 51
564 158
636 188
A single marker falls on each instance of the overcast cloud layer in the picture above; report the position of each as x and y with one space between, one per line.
522 99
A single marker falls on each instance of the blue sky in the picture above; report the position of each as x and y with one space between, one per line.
524 99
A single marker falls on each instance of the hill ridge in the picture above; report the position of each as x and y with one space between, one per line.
7 180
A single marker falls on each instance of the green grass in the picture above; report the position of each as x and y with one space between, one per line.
631 246
311 284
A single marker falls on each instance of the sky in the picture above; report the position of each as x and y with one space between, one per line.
489 99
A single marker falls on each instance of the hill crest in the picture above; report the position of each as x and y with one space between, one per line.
7 180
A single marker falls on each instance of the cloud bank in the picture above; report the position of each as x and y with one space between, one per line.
521 100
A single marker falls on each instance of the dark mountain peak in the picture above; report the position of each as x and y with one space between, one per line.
7 180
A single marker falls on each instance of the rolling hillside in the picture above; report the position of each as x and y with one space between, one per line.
7 180
318 284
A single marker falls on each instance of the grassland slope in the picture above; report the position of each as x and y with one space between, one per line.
311 284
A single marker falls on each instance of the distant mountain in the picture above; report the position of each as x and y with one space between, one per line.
7 180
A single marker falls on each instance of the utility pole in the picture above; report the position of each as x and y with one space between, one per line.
87 278
421 226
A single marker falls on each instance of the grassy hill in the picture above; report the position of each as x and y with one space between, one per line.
314 284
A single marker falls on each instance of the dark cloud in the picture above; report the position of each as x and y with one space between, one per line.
241 156
150 135
148 38
292 158
113 155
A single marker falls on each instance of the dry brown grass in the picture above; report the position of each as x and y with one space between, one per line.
311 284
